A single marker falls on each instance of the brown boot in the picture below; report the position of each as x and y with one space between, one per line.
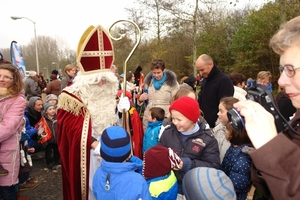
21 198
3 172
28 185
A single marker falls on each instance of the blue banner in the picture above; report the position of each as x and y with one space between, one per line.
17 58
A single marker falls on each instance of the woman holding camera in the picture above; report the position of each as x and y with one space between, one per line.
276 158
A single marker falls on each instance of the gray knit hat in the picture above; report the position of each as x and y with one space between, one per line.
51 96
207 183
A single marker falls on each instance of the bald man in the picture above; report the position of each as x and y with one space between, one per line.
215 85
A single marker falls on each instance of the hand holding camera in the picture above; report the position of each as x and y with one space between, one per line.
259 124
259 115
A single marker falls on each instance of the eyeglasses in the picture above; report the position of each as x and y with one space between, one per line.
265 83
289 70
6 78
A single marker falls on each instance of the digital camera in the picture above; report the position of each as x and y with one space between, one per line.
264 97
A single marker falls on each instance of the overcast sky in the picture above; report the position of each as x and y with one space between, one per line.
65 19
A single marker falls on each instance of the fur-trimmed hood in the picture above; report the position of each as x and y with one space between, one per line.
171 79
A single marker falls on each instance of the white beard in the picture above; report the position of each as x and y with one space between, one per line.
100 100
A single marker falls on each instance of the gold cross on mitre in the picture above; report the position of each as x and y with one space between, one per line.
95 51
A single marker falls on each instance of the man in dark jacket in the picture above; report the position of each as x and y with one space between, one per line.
215 85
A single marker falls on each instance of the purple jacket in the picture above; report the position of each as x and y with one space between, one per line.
11 117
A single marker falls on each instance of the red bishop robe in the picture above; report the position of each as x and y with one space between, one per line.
137 132
74 142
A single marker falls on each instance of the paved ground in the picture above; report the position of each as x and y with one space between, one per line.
50 183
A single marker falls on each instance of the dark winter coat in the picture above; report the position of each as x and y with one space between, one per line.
213 88
33 116
201 147
236 165
52 123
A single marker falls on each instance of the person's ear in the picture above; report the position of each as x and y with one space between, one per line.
239 85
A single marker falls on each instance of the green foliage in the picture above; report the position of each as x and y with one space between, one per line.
250 44
216 38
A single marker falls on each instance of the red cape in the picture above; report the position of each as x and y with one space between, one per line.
69 132
137 133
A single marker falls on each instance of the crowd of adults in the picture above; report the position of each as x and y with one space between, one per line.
176 142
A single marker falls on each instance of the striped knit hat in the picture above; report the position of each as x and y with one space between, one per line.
115 144
207 183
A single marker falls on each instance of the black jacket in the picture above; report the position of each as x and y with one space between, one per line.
213 88
201 147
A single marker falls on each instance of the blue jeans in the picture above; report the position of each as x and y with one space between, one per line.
9 192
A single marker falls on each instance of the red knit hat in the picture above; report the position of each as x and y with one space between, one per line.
187 106
159 161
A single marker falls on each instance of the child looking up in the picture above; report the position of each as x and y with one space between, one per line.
237 162
226 104
115 178
190 138
159 161
155 118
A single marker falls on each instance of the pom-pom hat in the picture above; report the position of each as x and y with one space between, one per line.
115 144
188 107
159 161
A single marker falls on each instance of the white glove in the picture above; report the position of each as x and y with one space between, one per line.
123 104
96 151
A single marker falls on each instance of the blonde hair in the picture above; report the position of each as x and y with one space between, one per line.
181 93
69 67
288 35
264 74
183 79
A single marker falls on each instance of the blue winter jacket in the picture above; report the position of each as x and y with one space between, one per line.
30 130
115 181
151 135
236 165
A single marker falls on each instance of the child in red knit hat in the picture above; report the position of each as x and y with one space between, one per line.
190 138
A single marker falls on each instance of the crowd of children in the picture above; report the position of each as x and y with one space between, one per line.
173 149
174 158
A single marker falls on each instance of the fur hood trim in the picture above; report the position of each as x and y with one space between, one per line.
171 78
